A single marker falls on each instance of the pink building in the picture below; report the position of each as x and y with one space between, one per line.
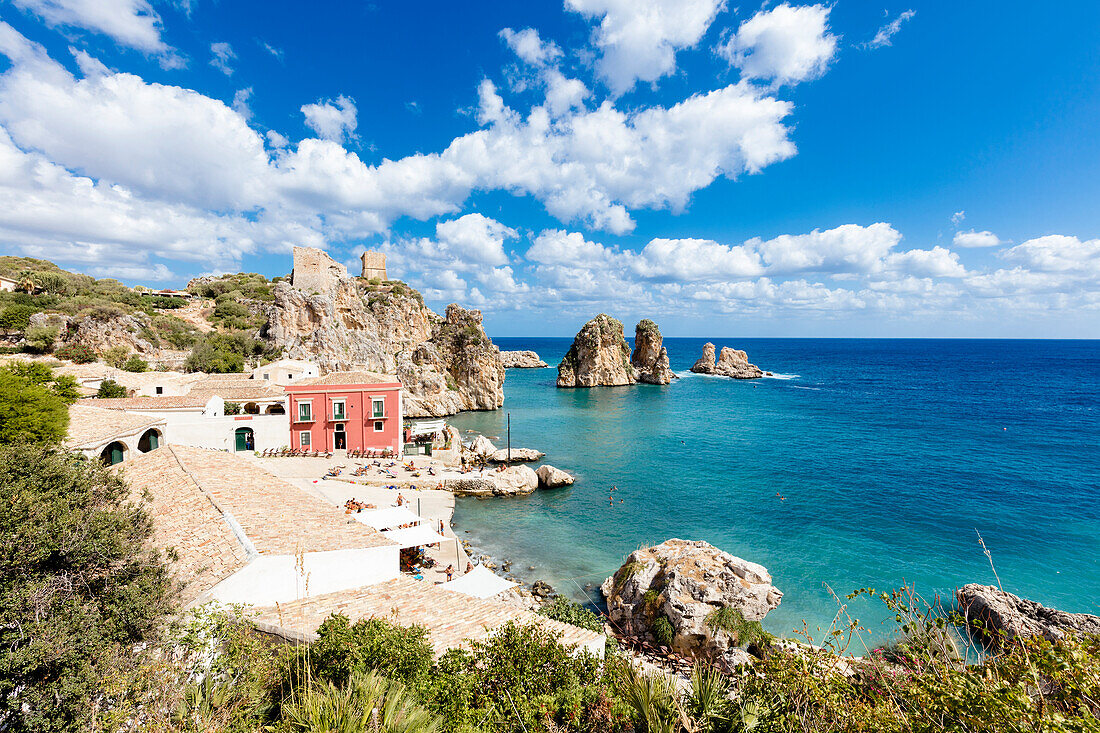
346 411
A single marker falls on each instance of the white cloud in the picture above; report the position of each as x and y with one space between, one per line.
528 46
1058 254
276 52
958 217
559 247
935 262
638 39
332 120
976 239
849 248
240 102
784 45
886 33
223 57
696 260
131 23
475 239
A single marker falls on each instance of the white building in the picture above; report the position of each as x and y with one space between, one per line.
113 436
199 417
286 371
7 284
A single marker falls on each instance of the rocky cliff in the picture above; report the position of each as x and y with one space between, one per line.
731 363
447 364
1000 617
705 595
598 357
102 330
650 357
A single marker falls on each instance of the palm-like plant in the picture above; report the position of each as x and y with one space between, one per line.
27 281
368 703
707 703
655 702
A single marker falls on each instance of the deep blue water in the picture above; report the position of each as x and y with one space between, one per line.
889 456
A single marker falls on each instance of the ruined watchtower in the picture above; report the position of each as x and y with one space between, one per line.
374 265
315 271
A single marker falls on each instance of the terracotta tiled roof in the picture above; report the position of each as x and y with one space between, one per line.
277 517
184 520
452 618
356 377
160 402
90 426
240 394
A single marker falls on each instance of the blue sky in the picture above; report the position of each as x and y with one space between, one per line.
856 169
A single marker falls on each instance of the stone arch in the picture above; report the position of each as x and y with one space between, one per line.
114 452
251 408
150 440
276 408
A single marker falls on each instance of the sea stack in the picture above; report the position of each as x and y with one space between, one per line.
599 356
650 357
522 360
731 363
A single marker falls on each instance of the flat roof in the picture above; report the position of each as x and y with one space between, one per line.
452 618
337 379
158 402
90 426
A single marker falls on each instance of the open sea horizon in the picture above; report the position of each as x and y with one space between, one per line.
862 463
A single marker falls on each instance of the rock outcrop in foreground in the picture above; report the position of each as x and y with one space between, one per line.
650 357
553 478
1006 617
599 356
447 364
689 584
731 363
522 455
514 481
522 360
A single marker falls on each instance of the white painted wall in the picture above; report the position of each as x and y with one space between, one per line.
271 579
286 372
215 430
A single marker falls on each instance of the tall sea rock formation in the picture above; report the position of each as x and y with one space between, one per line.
599 356
731 363
650 357
446 363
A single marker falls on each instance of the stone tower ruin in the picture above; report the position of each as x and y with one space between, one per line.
374 265
315 271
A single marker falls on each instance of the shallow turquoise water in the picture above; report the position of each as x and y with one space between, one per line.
888 455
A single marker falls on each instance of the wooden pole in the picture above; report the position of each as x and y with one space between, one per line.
509 438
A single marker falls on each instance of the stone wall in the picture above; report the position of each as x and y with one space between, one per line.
374 265
314 271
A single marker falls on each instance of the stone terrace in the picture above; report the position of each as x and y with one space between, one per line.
451 618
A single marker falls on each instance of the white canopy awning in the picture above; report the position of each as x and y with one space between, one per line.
428 427
393 516
479 583
414 536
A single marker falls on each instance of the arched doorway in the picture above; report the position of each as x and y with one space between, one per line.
150 440
251 408
276 409
339 437
244 439
114 453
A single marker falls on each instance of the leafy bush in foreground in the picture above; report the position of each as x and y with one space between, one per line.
571 612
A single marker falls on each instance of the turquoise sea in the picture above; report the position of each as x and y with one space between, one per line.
863 463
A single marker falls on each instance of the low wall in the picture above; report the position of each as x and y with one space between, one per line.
219 433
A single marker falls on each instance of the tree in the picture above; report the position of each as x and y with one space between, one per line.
135 364
110 389
116 355
79 585
30 413
40 339
63 385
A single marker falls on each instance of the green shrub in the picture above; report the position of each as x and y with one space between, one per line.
571 612
176 332
136 364
110 389
224 352
30 411
116 356
232 408
79 585
731 621
366 702
230 309
16 317
342 648
76 353
662 631
40 339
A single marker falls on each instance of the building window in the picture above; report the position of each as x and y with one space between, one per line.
338 411
378 407
305 411
303 439
290 376
267 376
379 426
160 390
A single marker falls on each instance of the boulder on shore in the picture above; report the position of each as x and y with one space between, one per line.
523 455
689 584
598 357
650 357
705 363
514 481
1005 616
522 360
553 478
731 363
482 446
